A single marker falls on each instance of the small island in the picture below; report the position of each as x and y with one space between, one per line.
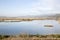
48 25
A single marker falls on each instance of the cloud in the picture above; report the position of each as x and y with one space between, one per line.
43 7
46 7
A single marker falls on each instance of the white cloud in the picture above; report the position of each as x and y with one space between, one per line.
46 7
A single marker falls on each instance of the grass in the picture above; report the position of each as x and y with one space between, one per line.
30 37
4 36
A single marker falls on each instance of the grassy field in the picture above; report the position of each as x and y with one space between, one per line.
30 37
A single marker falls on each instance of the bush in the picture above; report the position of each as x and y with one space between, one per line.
4 36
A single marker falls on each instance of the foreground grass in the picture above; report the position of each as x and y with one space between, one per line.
30 37
4 36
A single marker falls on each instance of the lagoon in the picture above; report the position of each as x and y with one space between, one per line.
30 27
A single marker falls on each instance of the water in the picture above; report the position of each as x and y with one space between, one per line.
31 27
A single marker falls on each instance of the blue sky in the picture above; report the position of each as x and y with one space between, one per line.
29 7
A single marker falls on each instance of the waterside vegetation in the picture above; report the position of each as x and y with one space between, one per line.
30 37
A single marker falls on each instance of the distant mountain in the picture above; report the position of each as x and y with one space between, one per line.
56 15
34 16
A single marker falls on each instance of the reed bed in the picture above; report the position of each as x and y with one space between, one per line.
31 37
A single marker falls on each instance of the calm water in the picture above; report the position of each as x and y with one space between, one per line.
31 27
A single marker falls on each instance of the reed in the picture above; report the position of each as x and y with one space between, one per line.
31 37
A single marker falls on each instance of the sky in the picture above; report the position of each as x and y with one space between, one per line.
29 7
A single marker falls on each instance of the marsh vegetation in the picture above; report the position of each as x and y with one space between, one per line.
30 37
